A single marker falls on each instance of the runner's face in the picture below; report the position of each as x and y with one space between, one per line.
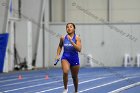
70 29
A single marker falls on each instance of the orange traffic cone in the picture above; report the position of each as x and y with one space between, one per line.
46 77
20 77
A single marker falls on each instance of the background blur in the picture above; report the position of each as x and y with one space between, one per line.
109 30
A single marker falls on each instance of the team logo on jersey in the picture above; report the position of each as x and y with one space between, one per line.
67 44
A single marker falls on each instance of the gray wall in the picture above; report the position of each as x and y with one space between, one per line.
30 11
92 35
21 38
3 15
85 10
57 10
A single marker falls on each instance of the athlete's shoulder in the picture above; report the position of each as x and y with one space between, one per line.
62 37
78 37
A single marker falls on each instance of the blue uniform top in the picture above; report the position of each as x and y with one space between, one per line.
70 53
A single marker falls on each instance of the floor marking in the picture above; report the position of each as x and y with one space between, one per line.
125 87
106 84
32 86
71 85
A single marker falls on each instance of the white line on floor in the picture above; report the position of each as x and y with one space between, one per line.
72 84
106 84
125 87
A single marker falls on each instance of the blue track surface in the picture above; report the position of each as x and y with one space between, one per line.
91 80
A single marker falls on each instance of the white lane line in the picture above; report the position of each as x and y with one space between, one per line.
33 86
39 85
29 76
125 88
41 79
13 76
71 84
16 78
33 81
36 85
22 82
106 84
8 80
27 81
44 74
